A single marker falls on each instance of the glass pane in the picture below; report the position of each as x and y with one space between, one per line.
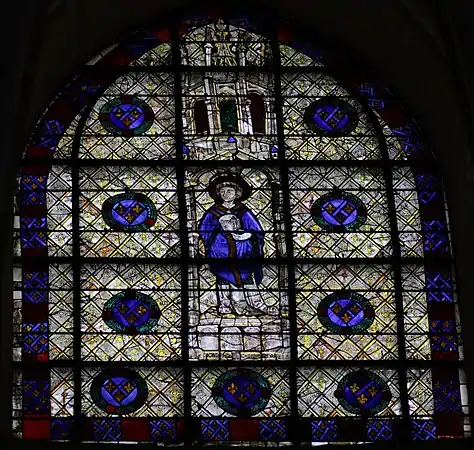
339 212
130 312
346 312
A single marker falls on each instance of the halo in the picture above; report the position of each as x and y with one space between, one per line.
231 179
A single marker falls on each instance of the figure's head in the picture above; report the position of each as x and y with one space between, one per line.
229 187
229 192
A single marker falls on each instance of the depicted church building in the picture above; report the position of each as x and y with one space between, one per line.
228 113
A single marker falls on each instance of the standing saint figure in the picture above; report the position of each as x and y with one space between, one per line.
233 235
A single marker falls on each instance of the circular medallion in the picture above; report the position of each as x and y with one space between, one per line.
119 391
129 212
363 392
126 116
346 312
241 392
331 116
339 211
131 312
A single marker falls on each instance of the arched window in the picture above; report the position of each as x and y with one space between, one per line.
292 287
201 118
257 113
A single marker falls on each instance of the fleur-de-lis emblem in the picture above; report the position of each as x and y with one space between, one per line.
346 318
242 398
373 391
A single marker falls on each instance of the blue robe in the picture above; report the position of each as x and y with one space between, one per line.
220 243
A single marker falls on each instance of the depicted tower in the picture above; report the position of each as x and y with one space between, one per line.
229 112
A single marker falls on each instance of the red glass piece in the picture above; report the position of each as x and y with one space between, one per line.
135 430
37 427
35 151
244 430
163 34
62 110
351 430
449 424
285 35
394 115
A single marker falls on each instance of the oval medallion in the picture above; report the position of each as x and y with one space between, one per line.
131 312
331 116
119 391
363 392
346 312
339 211
241 392
129 212
126 116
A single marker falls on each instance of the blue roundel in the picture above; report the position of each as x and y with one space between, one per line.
129 212
345 320
241 392
119 391
346 312
363 392
331 116
127 116
131 312
339 211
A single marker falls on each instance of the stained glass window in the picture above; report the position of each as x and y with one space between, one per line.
223 237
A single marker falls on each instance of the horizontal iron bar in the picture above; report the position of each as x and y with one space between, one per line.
103 69
267 261
31 162
380 364
240 333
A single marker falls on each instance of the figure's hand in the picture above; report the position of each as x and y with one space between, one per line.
241 236
229 222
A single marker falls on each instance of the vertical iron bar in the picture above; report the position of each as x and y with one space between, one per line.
397 276
285 187
183 233
76 274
